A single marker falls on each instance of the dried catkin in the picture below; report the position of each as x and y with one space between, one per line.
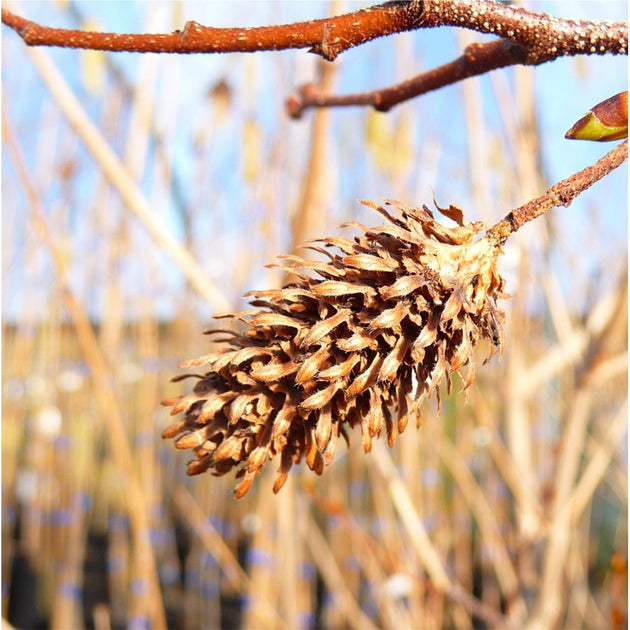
360 339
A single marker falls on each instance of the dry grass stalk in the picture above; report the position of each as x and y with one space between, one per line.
121 179
105 399
324 559
397 310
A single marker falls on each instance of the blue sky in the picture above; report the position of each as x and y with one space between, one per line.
214 175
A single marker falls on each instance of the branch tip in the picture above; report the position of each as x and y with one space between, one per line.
561 194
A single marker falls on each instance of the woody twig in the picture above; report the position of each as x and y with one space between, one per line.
543 36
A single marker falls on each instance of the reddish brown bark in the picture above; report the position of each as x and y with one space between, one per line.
561 194
477 59
544 37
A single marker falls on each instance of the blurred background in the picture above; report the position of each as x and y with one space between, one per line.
141 194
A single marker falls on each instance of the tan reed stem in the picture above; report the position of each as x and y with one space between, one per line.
423 545
189 509
104 393
313 186
596 467
114 170
324 558
482 510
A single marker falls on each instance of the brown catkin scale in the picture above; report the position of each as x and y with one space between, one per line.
359 340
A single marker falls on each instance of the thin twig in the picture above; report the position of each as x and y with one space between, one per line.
545 37
326 37
562 194
478 58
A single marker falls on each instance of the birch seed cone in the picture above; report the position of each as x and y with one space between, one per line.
360 339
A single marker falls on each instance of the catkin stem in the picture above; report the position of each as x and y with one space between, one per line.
562 194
